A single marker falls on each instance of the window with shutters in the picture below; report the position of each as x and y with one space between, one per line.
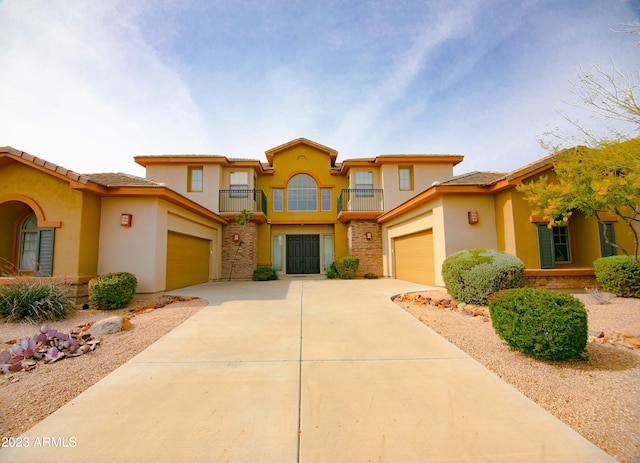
554 245
606 249
36 247
29 242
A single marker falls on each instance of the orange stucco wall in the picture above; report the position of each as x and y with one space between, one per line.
76 240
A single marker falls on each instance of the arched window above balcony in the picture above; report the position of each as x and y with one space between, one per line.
302 193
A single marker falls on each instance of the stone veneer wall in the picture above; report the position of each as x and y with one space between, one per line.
368 251
247 259
561 278
561 282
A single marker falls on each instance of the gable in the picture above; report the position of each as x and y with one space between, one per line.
301 144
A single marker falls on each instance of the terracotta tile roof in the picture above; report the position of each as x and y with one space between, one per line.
45 164
120 179
475 178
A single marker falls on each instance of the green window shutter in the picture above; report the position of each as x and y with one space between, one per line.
545 246
606 249
45 251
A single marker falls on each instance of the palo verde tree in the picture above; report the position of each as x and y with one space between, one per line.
242 219
602 177
597 182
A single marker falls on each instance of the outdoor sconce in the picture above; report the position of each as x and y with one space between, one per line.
368 236
473 217
126 220
236 238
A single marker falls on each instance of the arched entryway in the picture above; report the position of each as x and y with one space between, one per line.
25 245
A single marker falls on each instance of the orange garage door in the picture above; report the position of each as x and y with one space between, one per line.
187 260
413 257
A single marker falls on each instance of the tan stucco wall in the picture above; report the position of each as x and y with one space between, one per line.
142 248
175 177
74 250
459 234
138 249
423 177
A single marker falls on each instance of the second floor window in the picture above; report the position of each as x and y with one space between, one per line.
239 181
325 199
194 178
405 178
364 181
302 193
278 199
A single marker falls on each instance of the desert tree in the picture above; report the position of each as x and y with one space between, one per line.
600 174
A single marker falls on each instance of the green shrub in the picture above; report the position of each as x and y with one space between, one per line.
264 274
331 271
113 290
34 300
618 275
544 323
371 275
346 267
471 275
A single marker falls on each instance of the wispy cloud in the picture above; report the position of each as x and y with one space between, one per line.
91 84
82 80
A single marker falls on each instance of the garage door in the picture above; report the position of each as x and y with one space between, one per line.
414 257
187 260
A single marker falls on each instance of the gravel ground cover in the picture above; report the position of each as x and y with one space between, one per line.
598 396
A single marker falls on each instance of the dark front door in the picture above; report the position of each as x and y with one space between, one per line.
303 253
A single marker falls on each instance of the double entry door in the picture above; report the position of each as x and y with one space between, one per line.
303 254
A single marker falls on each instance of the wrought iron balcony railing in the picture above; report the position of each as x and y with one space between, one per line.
236 200
360 200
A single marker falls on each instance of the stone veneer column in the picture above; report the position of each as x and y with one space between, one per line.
247 258
368 251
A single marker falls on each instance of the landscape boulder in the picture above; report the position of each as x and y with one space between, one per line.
109 326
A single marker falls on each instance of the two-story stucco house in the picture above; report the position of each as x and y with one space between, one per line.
401 215
308 209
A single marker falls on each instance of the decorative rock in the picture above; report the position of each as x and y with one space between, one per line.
109 326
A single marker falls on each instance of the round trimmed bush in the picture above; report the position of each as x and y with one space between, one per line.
471 275
544 323
264 274
618 275
112 290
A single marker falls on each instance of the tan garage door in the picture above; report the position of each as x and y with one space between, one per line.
187 260
414 257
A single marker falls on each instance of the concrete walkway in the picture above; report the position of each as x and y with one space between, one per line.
302 370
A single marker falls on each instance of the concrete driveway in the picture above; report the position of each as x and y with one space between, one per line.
302 370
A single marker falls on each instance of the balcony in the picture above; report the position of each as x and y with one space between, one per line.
360 204
233 201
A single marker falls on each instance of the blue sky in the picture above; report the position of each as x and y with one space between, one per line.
89 85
